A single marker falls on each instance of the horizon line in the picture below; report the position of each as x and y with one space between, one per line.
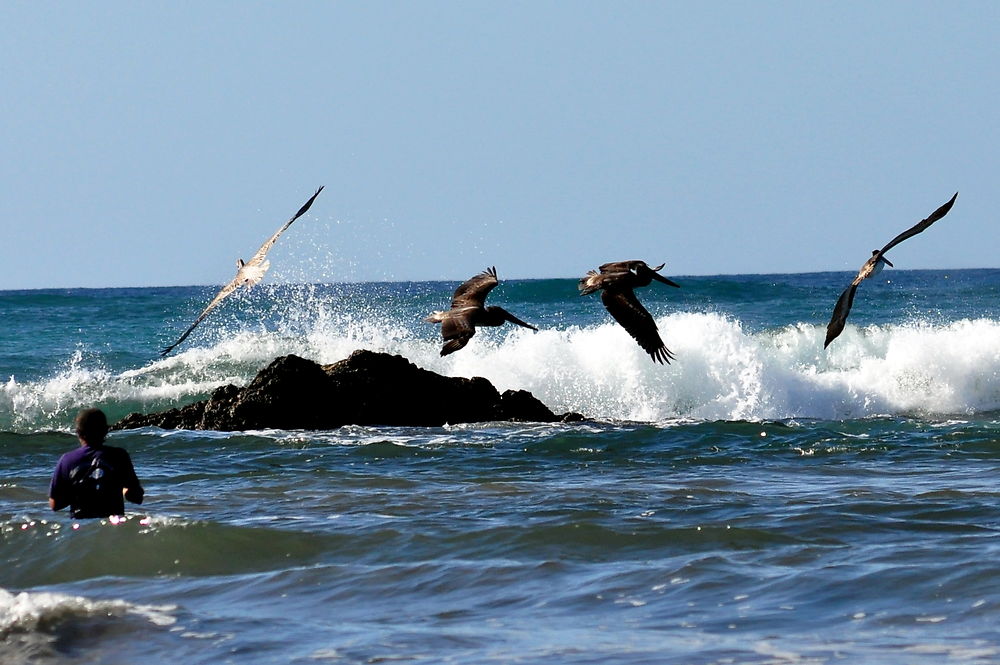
506 279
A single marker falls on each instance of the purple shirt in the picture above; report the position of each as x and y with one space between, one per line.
90 480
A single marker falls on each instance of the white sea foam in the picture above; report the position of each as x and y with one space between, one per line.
722 371
32 611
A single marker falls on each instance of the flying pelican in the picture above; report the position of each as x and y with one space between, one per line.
617 281
467 313
874 266
248 273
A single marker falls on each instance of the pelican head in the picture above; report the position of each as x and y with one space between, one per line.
495 316
882 258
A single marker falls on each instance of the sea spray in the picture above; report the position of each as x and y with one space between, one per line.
722 371
730 365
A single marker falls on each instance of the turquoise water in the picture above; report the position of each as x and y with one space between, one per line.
757 501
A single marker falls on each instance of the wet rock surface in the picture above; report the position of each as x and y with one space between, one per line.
367 388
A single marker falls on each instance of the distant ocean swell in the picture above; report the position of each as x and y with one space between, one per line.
723 372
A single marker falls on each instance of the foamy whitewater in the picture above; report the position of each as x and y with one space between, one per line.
759 500
585 362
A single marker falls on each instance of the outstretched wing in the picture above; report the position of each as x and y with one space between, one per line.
639 323
840 312
219 297
456 332
266 247
473 292
249 273
920 226
610 275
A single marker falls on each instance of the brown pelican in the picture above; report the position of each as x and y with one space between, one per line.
467 313
248 273
617 281
874 266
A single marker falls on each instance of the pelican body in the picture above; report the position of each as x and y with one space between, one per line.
617 282
873 266
468 312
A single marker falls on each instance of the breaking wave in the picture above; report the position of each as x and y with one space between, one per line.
27 612
723 371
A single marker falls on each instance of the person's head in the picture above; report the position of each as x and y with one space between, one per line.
91 426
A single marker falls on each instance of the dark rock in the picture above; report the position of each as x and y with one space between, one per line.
290 393
218 406
380 389
367 388
522 405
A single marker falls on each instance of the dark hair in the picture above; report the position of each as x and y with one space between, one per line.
92 426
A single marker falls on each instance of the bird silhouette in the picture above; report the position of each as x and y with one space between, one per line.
467 312
874 266
617 282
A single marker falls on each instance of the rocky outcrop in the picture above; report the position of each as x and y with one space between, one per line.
367 388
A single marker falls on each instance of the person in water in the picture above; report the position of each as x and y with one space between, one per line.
94 480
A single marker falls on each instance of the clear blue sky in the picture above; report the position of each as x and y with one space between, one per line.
153 143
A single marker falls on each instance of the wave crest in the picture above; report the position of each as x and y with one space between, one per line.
34 611
722 371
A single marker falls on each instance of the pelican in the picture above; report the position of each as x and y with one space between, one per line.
467 312
248 273
874 266
616 282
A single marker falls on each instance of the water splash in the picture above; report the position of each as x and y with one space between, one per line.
723 371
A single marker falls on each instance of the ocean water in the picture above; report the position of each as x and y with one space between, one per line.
760 500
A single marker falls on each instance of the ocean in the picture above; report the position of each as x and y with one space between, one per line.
759 500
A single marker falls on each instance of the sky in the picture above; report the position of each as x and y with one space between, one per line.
154 143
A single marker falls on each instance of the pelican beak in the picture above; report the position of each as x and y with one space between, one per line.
888 262
513 319
660 278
